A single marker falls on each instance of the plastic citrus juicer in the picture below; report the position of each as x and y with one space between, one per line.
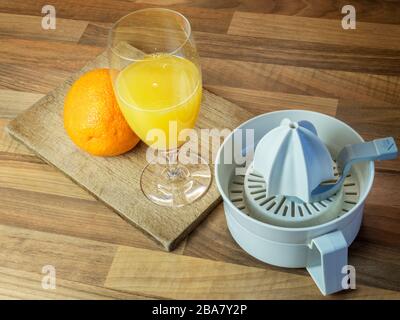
289 207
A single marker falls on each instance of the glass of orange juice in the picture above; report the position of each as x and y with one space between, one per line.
157 80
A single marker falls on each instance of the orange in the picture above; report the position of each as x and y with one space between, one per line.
92 117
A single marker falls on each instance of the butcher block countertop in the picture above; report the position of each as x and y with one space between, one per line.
263 56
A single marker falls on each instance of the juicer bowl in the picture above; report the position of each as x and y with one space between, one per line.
322 248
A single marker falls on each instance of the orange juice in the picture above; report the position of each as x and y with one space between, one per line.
157 92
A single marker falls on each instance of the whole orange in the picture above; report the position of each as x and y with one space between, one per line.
92 117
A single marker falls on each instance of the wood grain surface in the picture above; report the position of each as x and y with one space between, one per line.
261 55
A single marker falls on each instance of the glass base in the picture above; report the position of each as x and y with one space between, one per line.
176 185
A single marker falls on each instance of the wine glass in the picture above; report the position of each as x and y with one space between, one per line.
157 81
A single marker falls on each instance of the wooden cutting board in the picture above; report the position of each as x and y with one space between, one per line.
115 180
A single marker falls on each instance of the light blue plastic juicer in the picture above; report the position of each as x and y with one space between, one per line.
294 207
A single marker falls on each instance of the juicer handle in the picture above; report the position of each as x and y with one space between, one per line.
325 262
378 149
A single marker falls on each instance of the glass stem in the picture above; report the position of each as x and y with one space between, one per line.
171 158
